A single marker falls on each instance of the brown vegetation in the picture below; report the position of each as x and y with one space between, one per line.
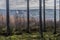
21 24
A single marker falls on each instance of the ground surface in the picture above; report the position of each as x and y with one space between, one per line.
32 36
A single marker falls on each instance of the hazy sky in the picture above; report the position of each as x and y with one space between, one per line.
22 4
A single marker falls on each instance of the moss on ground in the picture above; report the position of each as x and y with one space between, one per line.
32 36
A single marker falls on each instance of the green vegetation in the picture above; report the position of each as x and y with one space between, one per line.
32 36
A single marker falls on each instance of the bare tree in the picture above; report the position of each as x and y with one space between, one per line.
55 16
40 17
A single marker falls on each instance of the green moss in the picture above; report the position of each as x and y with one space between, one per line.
32 36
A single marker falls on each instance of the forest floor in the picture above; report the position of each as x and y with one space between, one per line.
32 36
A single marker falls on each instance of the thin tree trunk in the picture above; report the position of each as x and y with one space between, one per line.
40 17
28 29
55 16
44 15
7 16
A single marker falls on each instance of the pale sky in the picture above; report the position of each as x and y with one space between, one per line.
22 4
